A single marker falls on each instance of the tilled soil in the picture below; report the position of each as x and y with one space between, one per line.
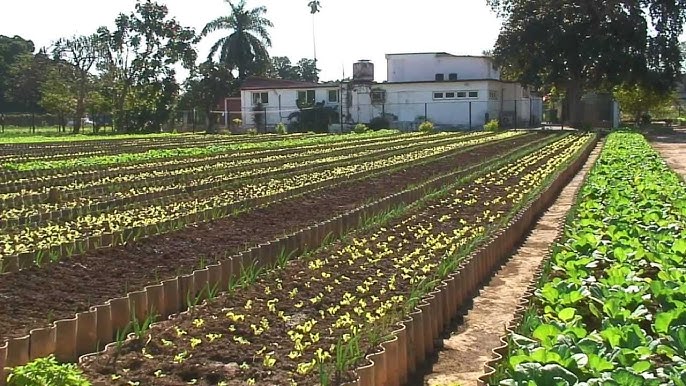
34 297
673 149
208 363
466 352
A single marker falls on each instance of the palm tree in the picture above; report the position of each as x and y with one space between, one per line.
315 7
245 48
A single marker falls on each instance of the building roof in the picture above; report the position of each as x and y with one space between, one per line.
439 54
261 83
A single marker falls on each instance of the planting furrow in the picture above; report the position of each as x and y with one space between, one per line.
34 297
49 241
608 308
315 318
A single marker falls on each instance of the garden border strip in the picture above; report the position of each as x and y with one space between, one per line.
71 338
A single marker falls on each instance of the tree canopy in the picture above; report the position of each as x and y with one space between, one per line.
305 70
245 47
581 45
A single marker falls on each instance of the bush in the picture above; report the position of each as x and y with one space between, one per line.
360 128
427 127
281 129
47 372
492 125
251 131
379 123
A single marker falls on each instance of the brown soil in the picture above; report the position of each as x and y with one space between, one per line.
34 297
217 361
466 352
673 149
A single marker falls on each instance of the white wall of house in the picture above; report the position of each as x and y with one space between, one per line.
281 102
424 67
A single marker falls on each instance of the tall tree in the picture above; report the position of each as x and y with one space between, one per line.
580 45
245 47
315 8
81 52
206 87
57 97
305 70
138 65
25 80
12 49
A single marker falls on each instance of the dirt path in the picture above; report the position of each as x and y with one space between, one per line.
466 352
673 149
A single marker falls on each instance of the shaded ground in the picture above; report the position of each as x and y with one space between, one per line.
34 297
467 350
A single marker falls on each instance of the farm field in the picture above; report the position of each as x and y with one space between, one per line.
608 308
96 238
292 325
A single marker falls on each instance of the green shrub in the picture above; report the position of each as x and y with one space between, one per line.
281 128
492 125
379 123
427 127
251 131
360 128
47 372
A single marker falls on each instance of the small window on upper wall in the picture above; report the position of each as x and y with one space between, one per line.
440 77
333 96
450 95
306 96
452 76
473 94
438 95
461 94
260 97
493 95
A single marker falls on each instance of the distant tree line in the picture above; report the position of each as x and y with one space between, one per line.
127 77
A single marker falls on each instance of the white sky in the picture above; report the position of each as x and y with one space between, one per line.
347 30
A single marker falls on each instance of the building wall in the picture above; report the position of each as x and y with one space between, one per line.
424 67
282 103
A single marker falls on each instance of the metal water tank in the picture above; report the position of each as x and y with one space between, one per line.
363 71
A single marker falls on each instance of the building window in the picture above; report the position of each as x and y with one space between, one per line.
438 95
333 96
450 95
306 96
525 93
378 96
440 77
493 95
461 94
260 97
473 94
452 76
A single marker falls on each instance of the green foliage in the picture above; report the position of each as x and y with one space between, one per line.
639 101
360 128
492 125
427 127
569 59
305 70
379 123
281 129
210 83
251 131
314 117
613 312
245 47
12 49
47 372
57 97
139 56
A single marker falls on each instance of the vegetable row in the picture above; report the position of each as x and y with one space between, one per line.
611 308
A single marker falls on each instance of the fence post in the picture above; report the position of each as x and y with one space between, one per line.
194 121
426 112
515 114
470 115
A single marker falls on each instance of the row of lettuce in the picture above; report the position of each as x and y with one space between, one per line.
610 308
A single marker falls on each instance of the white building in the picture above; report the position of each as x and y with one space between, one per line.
452 91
